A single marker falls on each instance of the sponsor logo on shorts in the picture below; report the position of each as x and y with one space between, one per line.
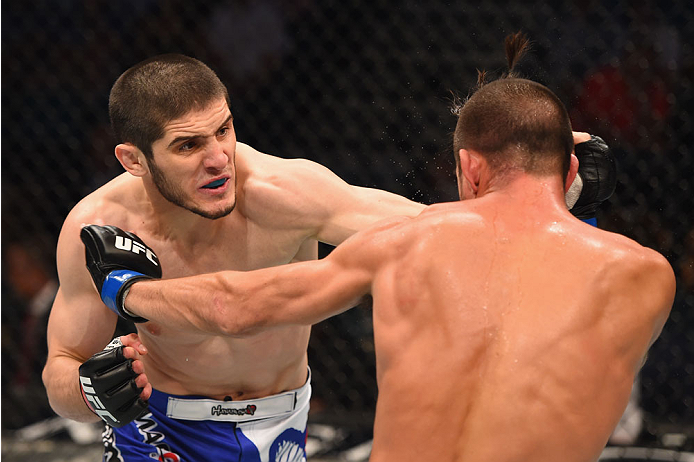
111 451
289 446
248 410
146 426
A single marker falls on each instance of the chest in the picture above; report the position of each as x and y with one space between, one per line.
241 248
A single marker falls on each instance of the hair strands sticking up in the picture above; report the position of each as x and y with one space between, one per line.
517 45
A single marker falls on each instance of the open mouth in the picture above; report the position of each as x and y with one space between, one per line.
216 184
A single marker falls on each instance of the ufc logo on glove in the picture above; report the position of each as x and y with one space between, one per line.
116 259
127 244
93 401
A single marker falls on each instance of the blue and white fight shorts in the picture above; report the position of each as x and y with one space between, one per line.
192 429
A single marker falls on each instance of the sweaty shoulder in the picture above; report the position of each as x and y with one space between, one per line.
113 203
264 173
449 220
397 238
285 192
628 252
381 244
643 261
638 276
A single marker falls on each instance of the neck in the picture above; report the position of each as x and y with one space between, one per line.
527 191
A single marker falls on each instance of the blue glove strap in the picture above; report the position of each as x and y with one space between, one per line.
591 221
112 285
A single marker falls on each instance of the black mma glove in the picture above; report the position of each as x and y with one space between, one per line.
596 179
107 382
116 259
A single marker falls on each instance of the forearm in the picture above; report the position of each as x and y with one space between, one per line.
231 303
61 379
182 304
237 303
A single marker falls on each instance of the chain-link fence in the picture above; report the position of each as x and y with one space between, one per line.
363 87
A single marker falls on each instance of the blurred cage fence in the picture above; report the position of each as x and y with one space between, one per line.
363 87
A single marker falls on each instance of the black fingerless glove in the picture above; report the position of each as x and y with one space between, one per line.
116 259
107 382
597 170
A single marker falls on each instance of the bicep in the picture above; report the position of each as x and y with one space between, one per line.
338 209
79 324
360 208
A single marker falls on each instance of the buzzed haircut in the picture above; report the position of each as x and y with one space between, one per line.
515 123
156 91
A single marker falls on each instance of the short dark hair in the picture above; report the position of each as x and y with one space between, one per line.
156 91
515 123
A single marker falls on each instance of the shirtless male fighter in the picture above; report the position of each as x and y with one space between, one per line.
505 328
204 202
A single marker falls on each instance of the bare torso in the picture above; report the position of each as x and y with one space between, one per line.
190 363
505 337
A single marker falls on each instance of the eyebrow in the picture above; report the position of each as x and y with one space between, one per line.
180 139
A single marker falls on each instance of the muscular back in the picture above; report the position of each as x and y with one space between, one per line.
508 336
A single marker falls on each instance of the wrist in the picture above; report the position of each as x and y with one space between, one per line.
116 286
574 192
124 300
84 396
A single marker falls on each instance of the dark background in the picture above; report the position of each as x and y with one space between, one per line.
363 87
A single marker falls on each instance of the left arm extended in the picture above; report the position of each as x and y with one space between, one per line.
304 194
238 303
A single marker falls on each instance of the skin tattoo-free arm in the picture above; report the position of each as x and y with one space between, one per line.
241 303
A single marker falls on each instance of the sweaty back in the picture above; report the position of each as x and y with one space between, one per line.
495 333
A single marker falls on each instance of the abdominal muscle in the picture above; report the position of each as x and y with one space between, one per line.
183 363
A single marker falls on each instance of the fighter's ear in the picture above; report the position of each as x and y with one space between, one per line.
132 159
573 171
470 168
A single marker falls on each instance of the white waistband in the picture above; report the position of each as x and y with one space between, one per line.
239 411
